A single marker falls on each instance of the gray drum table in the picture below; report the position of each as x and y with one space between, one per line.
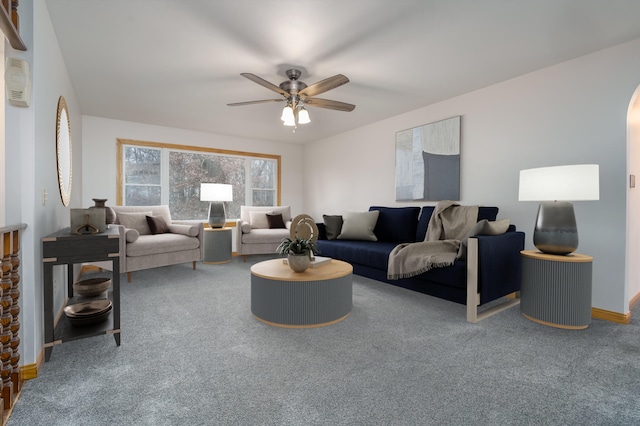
317 297
217 245
556 290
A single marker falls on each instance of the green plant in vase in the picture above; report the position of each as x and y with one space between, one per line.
299 252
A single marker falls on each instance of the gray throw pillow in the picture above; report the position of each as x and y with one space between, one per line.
359 226
332 225
137 221
484 227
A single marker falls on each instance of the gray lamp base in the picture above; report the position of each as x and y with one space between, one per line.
217 215
556 231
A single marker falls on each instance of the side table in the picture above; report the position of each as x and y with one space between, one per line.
556 290
217 245
66 248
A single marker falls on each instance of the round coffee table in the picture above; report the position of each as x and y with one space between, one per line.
317 297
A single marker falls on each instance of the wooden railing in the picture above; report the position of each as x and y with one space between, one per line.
10 237
10 23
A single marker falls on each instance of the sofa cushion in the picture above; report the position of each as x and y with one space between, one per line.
275 220
370 253
137 221
359 226
332 225
258 219
188 230
423 222
157 225
396 224
489 213
161 243
483 227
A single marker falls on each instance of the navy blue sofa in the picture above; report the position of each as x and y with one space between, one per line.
490 271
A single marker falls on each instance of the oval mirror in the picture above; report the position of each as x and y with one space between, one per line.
63 150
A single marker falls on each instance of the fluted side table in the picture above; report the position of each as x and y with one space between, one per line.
314 298
556 290
217 245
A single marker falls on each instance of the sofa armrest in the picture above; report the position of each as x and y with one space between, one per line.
239 236
493 271
499 265
123 246
200 235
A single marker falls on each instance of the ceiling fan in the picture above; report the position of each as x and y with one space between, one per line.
297 94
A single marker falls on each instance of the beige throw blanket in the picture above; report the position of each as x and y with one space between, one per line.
448 224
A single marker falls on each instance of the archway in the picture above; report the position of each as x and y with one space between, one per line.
632 289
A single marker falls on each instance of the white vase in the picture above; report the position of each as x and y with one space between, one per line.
298 262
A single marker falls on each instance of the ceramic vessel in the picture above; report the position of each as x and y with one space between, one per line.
298 262
109 213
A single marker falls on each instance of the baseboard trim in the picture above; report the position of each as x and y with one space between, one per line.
634 301
30 371
619 318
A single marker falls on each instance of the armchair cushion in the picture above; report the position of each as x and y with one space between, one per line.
137 221
258 219
275 220
157 225
188 230
131 235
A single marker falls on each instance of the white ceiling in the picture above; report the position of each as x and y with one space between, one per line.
177 63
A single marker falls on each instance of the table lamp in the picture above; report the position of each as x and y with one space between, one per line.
216 194
556 231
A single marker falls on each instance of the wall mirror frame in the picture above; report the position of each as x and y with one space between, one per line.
63 150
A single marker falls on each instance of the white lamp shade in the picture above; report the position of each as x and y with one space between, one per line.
303 116
560 183
216 192
287 116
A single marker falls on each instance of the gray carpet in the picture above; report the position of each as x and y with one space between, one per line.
193 354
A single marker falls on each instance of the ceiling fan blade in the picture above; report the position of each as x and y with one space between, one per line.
326 103
265 83
255 102
324 85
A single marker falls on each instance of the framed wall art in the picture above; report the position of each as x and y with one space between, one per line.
428 162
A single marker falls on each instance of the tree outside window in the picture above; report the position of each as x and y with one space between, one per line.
160 174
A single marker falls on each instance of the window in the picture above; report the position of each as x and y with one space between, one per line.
153 173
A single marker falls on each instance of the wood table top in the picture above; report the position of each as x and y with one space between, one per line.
276 269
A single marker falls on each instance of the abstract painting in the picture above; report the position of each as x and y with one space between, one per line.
428 162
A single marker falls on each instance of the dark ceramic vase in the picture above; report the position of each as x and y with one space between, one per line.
109 213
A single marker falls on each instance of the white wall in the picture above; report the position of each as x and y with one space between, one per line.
571 113
99 161
31 164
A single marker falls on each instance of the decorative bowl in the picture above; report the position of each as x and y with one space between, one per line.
92 286
87 313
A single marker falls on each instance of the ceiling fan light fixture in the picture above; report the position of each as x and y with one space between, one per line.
287 116
303 116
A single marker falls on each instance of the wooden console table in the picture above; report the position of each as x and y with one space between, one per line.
65 248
